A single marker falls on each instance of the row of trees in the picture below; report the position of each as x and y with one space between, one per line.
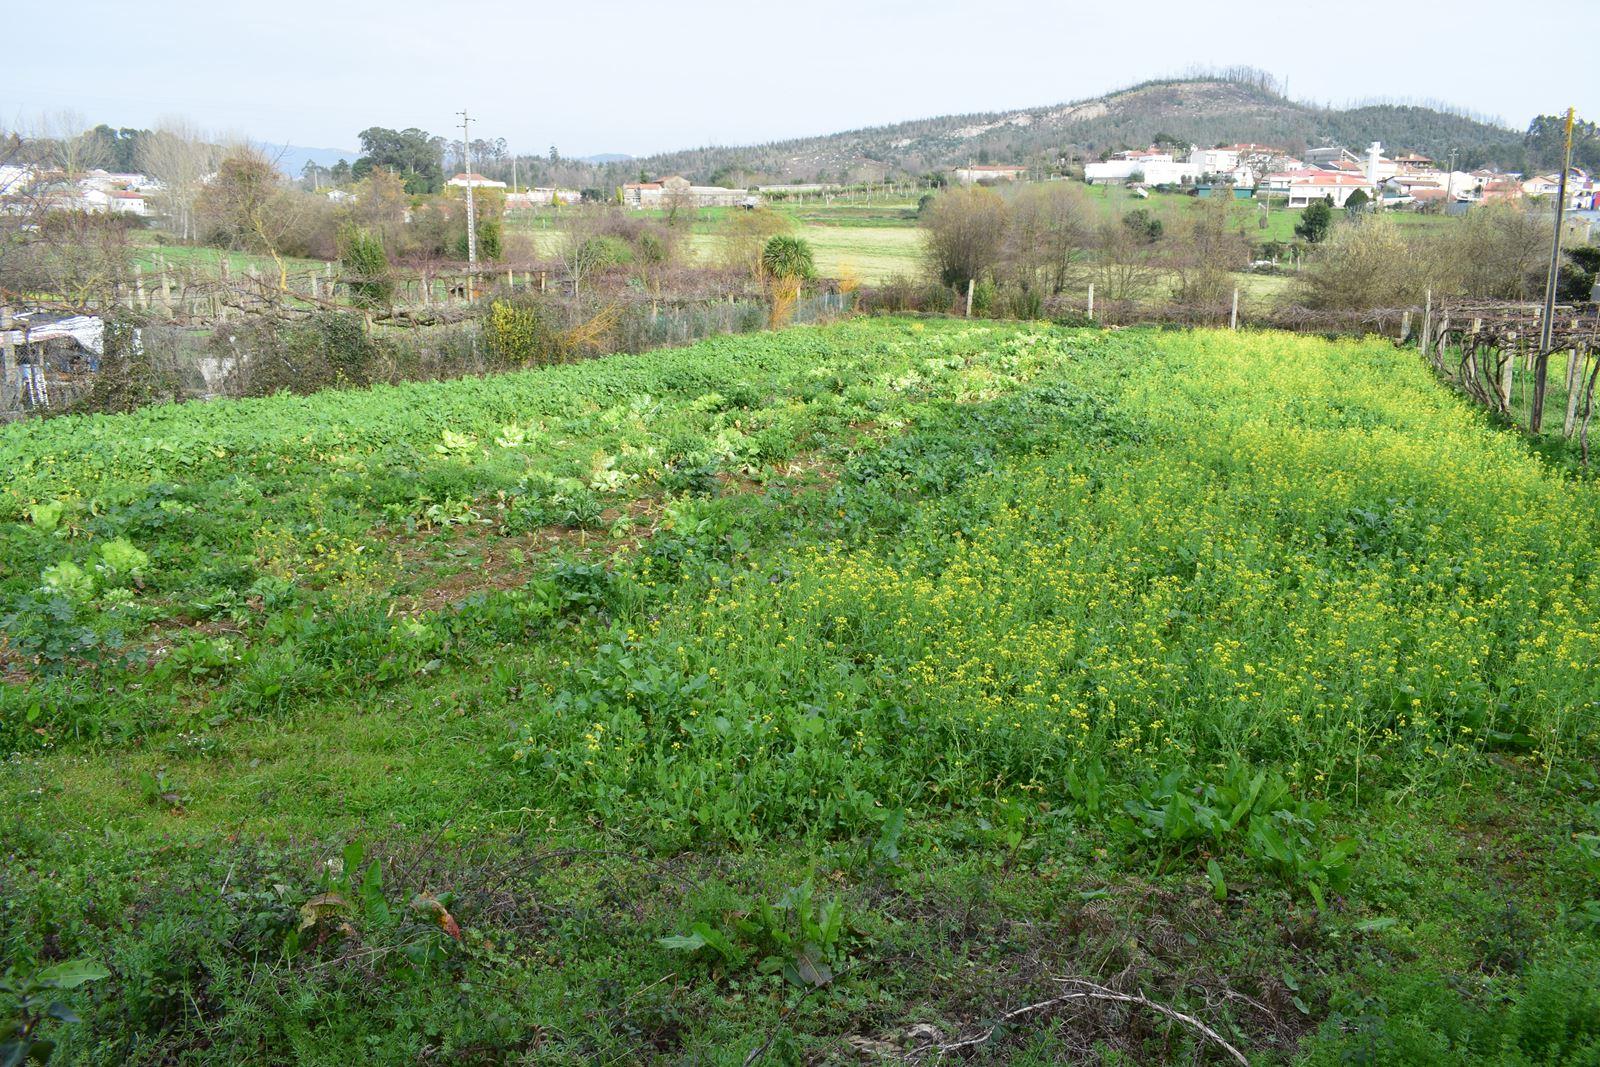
1024 246
1495 252
1040 241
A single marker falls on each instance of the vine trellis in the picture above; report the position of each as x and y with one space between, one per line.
1492 351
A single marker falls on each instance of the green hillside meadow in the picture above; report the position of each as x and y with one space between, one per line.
814 696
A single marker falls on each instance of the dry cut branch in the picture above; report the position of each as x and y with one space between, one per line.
1081 989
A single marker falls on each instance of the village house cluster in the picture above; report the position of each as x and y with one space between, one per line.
1333 174
95 192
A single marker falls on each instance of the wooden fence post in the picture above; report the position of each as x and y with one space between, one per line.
1233 316
1091 301
1427 321
1405 325
970 284
1572 393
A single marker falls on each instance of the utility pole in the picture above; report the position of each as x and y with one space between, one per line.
1541 359
472 208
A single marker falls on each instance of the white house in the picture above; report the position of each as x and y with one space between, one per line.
1151 166
1308 186
127 202
94 201
1214 160
1242 164
989 172
14 179
802 187
542 197
474 181
1580 188
108 180
676 187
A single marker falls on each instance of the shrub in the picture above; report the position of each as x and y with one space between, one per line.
366 267
1315 222
518 335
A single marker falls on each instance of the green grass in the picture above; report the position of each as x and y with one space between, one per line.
879 241
207 262
1246 214
810 686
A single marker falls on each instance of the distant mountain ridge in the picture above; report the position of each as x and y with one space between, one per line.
1204 111
291 159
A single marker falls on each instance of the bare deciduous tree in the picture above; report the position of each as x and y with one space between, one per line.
1128 266
73 148
1205 250
965 232
746 233
1049 237
248 205
180 157
1500 251
585 246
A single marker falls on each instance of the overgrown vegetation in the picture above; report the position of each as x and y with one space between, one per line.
819 693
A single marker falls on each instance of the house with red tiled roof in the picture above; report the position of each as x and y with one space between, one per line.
1303 187
1501 188
1413 163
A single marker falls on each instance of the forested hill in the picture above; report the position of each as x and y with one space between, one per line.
1203 111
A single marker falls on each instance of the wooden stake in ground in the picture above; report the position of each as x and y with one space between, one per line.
970 283
1572 394
1233 316
1091 301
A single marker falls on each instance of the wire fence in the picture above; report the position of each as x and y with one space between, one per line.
269 344
187 336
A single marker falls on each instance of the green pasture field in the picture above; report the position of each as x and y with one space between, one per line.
208 261
1281 219
806 696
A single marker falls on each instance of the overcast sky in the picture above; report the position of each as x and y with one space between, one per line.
639 77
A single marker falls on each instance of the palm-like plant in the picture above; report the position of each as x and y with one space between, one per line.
787 262
788 258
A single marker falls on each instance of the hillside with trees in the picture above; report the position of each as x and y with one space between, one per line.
1238 105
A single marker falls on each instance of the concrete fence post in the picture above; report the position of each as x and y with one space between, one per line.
10 380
